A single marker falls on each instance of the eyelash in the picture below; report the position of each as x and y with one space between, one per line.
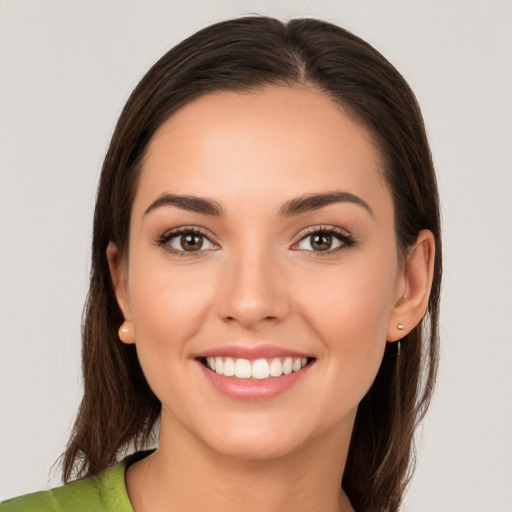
163 240
345 238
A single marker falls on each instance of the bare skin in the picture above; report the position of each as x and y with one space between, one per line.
266 268
237 484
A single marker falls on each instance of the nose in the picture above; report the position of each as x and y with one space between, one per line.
253 291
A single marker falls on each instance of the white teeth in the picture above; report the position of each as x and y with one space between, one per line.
243 369
260 369
276 368
257 369
229 367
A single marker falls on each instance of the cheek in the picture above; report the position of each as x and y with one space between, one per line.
350 316
168 309
354 303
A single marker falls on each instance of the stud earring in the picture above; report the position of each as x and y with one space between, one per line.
400 327
126 332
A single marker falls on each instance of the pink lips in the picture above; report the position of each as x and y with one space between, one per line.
251 352
249 389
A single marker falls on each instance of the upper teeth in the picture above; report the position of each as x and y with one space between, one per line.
257 369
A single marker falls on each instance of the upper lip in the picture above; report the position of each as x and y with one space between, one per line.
251 352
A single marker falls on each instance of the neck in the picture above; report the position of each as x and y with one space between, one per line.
184 474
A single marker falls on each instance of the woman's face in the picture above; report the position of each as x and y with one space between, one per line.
261 237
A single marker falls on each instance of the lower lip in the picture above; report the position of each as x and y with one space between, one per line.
245 389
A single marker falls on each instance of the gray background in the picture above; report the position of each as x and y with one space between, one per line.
66 69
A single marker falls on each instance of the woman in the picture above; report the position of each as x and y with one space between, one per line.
266 245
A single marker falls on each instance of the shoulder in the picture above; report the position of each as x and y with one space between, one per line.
104 492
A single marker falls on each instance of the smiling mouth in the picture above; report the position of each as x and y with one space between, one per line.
258 369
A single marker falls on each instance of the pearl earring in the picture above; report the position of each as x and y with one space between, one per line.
126 332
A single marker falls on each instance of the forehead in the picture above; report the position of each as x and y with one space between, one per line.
277 142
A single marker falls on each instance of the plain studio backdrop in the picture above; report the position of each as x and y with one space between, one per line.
67 68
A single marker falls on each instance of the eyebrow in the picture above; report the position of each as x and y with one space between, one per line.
190 203
312 202
293 207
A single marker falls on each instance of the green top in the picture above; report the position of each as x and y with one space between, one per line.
103 492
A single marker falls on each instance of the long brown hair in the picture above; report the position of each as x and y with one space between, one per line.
119 411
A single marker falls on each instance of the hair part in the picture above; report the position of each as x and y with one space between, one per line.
118 411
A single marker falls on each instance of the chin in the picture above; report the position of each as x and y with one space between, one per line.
262 438
255 448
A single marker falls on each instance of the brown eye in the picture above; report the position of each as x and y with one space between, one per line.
325 240
321 242
191 242
188 241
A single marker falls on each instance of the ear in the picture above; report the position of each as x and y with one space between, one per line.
119 275
413 287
